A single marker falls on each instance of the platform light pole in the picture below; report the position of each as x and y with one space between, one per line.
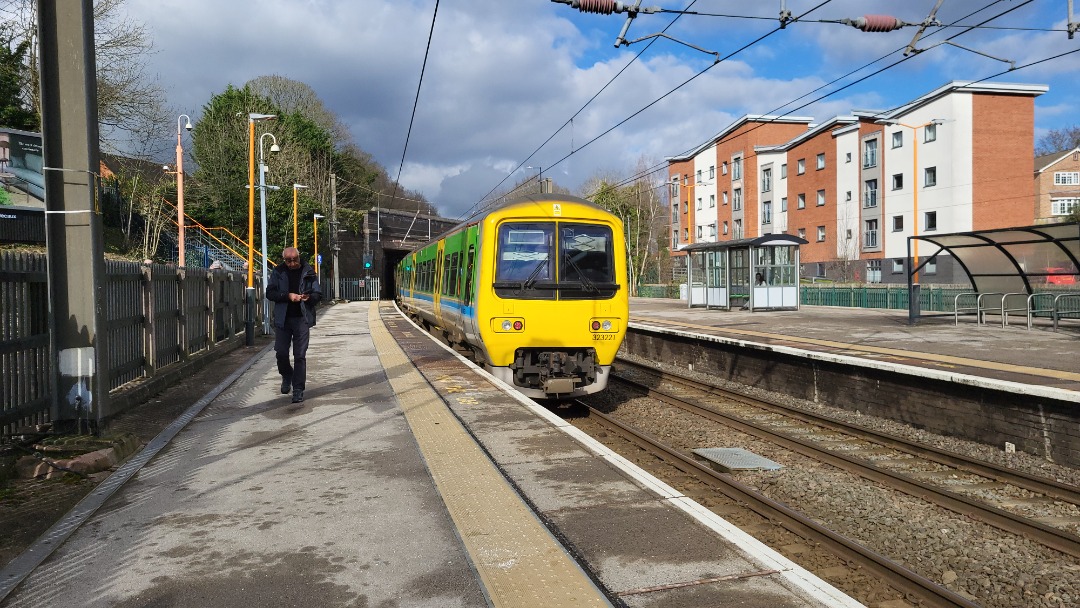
295 218
249 324
180 218
315 229
262 205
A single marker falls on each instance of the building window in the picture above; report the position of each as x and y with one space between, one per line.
847 157
675 212
783 171
898 181
870 193
712 231
685 207
930 174
873 271
699 233
847 196
712 201
802 201
738 229
930 133
800 166
870 234
897 266
869 153
723 168
931 220
723 197
736 168
820 198
931 267
675 187
712 171
1067 178
783 204
686 234
847 234
898 139
819 269
821 234
1063 206
802 233
686 180
725 227
766 180
674 239
766 212
897 223
820 162
736 199
699 203
699 176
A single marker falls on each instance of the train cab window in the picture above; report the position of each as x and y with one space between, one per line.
523 260
587 262
564 260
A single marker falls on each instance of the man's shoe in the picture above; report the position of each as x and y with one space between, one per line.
298 395
286 386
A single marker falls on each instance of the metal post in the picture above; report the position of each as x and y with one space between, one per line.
79 342
262 206
334 223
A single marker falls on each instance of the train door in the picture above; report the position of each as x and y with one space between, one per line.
468 292
436 291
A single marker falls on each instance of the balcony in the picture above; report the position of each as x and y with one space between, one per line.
870 199
870 239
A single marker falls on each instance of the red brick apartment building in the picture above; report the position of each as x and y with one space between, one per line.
856 187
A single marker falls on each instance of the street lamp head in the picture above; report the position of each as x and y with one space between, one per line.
165 168
887 121
318 216
298 186
274 147
186 125
257 116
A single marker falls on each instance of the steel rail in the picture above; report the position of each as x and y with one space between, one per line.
901 578
1049 536
1040 485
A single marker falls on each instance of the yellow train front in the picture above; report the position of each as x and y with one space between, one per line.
537 288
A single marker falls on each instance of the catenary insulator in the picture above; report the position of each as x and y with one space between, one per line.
602 7
875 23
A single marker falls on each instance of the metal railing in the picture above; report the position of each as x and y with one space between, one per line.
155 316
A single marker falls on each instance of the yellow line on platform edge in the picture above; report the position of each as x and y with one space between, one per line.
518 560
1002 367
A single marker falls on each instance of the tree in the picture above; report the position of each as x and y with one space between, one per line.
130 108
15 109
1058 140
643 213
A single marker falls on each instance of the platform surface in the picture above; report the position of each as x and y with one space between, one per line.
1039 357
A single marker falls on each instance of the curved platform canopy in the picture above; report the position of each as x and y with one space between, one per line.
766 240
1013 260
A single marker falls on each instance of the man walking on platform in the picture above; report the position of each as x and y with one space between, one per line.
294 288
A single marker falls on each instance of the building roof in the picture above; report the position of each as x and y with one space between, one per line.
955 86
833 124
728 130
1044 162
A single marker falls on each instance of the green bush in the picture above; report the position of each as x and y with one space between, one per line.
5 198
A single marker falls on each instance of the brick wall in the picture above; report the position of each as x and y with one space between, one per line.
1002 151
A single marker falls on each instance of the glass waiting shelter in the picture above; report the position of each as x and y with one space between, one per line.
761 273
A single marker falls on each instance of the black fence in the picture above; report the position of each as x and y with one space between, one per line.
155 317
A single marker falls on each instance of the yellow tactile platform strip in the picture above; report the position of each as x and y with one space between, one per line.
519 562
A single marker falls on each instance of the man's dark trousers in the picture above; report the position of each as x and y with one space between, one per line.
295 333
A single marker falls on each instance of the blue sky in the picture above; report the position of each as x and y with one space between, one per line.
503 76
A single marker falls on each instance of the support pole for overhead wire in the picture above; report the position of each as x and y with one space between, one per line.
1072 25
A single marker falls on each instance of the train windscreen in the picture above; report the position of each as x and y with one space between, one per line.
549 260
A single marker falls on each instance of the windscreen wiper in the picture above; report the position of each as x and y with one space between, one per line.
585 282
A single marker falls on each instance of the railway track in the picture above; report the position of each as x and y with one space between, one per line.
943 478
904 580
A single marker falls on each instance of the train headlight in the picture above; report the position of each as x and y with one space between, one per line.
505 325
604 325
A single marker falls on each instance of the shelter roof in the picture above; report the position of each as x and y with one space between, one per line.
767 240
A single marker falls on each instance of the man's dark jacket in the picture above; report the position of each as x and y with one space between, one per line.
277 291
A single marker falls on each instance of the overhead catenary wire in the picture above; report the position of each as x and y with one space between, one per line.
661 166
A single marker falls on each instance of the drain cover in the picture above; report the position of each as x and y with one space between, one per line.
736 459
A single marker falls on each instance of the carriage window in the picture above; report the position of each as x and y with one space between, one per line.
587 260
